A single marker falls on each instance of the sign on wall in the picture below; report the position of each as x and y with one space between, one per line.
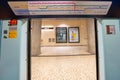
110 29
60 7
73 34
12 28
61 35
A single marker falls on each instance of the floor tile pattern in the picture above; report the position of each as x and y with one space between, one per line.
64 68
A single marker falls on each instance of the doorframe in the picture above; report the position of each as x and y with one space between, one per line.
29 49
97 51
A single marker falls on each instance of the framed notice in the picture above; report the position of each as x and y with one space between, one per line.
61 35
110 29
73 35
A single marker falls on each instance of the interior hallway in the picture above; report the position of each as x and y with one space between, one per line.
64 68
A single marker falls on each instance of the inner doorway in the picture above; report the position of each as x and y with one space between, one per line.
59 54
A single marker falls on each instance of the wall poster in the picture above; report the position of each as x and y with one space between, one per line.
13 28
61 35
73 34
110 29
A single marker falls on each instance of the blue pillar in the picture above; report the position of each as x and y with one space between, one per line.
12 59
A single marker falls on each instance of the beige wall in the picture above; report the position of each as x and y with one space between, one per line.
64 50
46 34
35 36
49 48
91 36
40 37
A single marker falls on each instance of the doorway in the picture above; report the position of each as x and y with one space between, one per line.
55 55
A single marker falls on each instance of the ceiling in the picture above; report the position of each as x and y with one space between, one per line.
6 11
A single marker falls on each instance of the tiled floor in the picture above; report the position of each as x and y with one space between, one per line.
64 68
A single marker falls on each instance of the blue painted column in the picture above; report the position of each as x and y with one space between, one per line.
111 51
12 52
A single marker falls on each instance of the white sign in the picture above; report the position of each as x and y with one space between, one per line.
60 7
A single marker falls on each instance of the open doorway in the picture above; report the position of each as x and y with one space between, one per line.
63 49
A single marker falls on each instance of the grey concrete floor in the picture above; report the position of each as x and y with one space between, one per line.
64 68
